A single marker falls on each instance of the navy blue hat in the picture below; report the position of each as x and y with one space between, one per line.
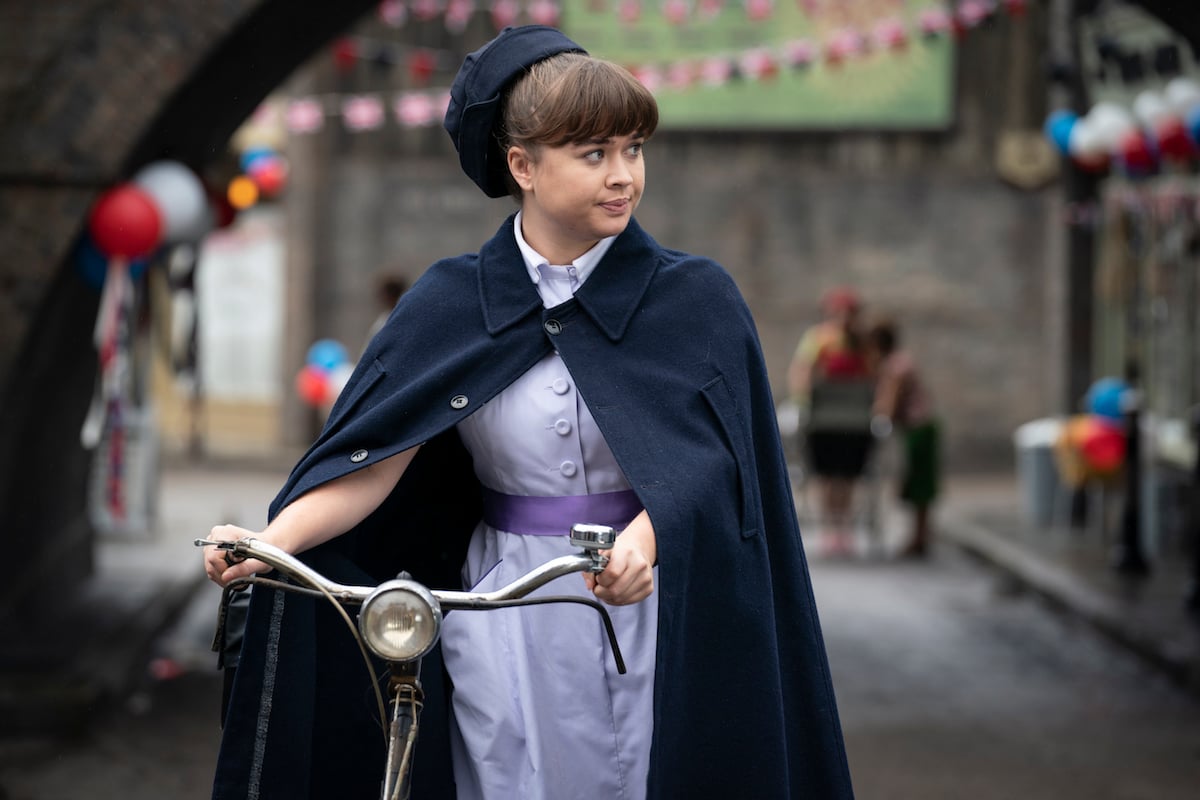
474 109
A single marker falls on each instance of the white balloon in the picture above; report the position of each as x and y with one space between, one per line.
1110 122
1183 94
180 198
1085 142
339 376
1150 108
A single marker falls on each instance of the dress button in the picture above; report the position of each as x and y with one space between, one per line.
553 327
458 402
562 427
560 386
358 456
568 468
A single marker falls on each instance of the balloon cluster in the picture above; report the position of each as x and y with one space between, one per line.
264 176
1093 445
164 203
326 371
1161 128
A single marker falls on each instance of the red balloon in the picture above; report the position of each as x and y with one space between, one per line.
125 221
269 174
312 384
1102 445
1173 140
1135 152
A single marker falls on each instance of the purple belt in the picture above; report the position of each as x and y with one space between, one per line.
554 516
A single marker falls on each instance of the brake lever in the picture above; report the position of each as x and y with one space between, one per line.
225 545
236 550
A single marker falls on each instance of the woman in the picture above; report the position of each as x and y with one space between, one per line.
830 378
572 363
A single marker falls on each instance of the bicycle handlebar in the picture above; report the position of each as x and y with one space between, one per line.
290 565
591 538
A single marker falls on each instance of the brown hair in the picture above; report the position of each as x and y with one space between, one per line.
570 98
885 335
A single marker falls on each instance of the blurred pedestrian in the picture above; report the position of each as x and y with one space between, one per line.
389 287
903 403
830 380
573 363
832 348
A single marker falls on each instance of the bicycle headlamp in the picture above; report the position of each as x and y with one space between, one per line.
400 620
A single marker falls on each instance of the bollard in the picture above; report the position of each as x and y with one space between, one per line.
1130 560
1192 600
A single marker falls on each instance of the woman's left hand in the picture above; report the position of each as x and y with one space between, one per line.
629 576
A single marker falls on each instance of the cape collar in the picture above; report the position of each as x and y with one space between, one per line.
610 296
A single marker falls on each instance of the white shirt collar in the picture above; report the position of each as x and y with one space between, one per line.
556 291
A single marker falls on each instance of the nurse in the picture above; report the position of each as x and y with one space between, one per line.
583 374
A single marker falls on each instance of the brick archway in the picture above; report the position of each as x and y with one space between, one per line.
93 90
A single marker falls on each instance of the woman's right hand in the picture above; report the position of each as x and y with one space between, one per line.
317 516
222 566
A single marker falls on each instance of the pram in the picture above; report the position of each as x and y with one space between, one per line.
834 436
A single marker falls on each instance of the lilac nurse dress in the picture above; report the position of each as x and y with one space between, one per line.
539 710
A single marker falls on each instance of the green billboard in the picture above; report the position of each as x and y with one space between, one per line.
779 64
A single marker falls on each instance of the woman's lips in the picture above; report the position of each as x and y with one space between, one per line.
616 206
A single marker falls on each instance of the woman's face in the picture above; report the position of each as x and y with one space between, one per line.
575 195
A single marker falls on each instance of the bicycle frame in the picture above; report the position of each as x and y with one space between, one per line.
403 660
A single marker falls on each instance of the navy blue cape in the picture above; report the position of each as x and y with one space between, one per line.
665 353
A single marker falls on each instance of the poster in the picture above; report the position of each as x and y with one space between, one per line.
780 64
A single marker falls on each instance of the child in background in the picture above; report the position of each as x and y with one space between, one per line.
903 401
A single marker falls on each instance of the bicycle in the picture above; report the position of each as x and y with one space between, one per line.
400 622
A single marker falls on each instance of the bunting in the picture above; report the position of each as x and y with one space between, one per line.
456 14
424 105
366 112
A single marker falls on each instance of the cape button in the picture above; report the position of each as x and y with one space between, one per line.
553 327
358 455
458 402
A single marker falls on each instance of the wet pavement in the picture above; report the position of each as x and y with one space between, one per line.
1072 567
954 684
144 723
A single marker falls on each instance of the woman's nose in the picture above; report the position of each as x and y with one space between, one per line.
619 174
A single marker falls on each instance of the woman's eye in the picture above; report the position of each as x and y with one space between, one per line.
594 156
635 149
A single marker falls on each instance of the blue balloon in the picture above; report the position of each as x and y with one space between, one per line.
1104 398
327 354
1191 121
92 263
1058 129
253 154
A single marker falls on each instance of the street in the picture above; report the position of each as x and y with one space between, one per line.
951 685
